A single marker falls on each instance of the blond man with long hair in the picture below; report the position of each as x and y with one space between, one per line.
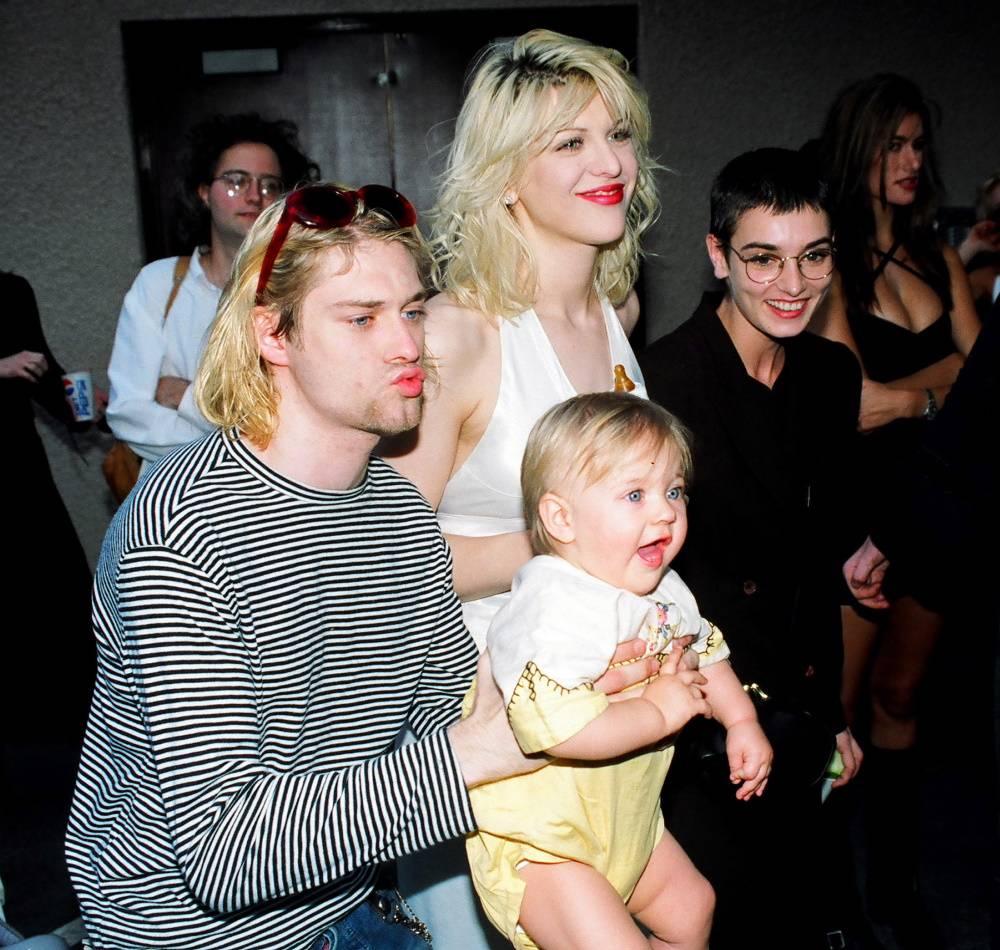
272 605
548 190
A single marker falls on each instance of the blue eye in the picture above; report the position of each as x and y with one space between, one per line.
676 494
361 321
635 495
415 315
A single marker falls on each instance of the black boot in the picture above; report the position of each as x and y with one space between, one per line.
892 796
840 908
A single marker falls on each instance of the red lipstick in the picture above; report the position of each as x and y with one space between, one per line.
605 195
789 309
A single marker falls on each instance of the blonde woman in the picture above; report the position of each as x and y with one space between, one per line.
548 191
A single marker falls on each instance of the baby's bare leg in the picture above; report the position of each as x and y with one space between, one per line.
673 899
569 905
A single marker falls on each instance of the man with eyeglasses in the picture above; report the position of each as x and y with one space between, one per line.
237 165
774 514
272 605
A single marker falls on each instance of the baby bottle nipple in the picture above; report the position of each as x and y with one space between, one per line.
622 383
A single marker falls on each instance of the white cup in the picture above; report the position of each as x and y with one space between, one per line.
80 393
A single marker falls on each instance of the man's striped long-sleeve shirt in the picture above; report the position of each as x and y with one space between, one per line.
261 643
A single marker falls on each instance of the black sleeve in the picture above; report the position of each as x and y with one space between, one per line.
953 474
845 517
25 333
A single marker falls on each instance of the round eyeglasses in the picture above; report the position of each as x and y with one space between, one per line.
764 268
237 181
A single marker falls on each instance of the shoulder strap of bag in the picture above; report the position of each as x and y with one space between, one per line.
180 272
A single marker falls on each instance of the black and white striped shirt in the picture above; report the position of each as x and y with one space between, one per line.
260 645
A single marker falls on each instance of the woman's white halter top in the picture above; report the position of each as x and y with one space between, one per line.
483 497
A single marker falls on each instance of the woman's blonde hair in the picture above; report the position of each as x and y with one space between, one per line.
234 387
588 437
481 257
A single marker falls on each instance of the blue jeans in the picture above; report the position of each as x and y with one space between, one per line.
373 925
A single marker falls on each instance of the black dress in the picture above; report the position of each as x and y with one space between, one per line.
940 529
890 351
48 653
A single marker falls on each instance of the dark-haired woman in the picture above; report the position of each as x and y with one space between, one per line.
237 165
902 303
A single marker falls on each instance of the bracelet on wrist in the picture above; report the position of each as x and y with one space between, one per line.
931 409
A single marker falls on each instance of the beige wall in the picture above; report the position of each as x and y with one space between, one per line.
723 77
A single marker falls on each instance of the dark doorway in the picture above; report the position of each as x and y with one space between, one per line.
374 97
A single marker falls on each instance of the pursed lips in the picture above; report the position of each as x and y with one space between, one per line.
410 382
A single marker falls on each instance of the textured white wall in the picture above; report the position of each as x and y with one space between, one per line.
723 77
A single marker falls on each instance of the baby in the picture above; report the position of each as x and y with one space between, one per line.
568 855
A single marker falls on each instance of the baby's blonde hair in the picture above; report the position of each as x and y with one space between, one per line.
509 115
586 437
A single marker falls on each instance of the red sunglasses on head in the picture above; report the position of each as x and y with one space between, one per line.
326 207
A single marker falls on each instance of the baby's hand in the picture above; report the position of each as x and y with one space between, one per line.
677 694
750 756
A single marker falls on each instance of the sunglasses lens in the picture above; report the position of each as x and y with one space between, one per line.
390 202
324 207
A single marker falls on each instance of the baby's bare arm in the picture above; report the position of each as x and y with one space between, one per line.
747 748
664 706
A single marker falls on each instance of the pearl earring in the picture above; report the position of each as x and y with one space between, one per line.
510 198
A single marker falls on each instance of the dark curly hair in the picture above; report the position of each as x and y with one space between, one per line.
209 139
858 130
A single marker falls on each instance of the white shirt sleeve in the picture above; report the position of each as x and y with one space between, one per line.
564 621
685 619
137 359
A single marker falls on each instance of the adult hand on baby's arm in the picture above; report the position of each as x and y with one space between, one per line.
677 693
483 742
642 717
636 668
750 757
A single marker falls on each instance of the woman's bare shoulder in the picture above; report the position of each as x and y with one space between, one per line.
457 332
